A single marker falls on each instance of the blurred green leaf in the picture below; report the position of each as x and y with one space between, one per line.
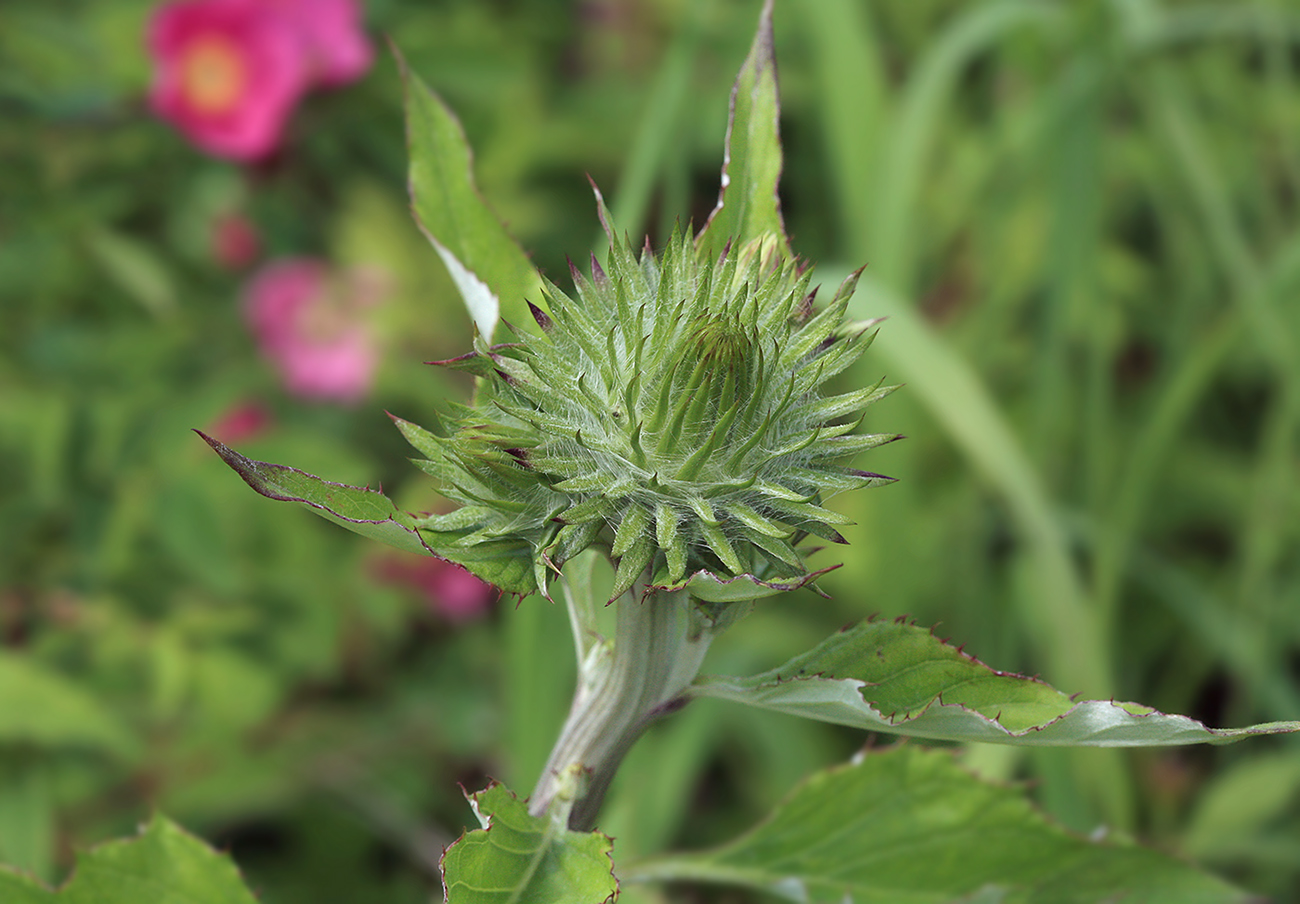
899 678
493 274
137 269
748 207
1055 614
27 812
16 888
516 857
38 706
163 865
1241 804
908 824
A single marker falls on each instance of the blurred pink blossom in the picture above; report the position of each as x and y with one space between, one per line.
448 589
339 49
228 73
310 322
240 422
235 240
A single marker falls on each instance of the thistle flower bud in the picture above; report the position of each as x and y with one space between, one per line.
671 412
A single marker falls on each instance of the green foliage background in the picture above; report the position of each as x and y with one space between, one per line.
1082 219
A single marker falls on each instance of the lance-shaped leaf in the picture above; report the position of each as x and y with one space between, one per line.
507 563
520 858
360 509
748 206
912 825
493 274
899 678
163 865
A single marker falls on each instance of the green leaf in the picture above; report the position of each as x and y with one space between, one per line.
912 825
748 207
40 707
491 271
16 888
359 509
163 865
896 677
1242 806
136 268
507 563
521 859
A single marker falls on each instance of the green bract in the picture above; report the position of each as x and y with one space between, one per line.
671 413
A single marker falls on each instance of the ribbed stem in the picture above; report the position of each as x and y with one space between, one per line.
623 686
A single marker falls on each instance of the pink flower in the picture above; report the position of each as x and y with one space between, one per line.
448 589
235 242
309 322
339 49
241 422
228 74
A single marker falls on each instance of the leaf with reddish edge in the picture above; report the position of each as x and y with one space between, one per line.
359 509
505 563
748 206
899 678
520 858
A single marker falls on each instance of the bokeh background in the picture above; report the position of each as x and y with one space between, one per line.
1081 218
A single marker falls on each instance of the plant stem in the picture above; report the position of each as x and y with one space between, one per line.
624 685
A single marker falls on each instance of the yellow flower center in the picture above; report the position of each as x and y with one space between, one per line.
213 74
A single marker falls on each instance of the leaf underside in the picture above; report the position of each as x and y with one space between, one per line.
899 678
912 826
520 858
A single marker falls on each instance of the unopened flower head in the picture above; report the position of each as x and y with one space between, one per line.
670 412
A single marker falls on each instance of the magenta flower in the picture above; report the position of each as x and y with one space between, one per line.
339 49
448 590
241 422
310 323
235 242
228 74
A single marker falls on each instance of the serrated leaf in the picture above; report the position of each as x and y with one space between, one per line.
40 707
748 207
163 865
359 509
521 859
494 276
899 678
909 824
